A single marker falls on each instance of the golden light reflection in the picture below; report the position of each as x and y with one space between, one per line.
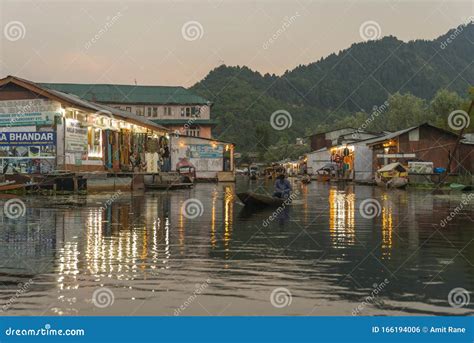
341 218
228 216
387 228
213 221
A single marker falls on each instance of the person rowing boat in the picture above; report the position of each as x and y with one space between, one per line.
282 187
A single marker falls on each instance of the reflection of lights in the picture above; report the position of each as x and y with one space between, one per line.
228 215
387 228
341 218
213 220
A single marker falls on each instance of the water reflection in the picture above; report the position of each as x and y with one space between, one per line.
341 218
142 245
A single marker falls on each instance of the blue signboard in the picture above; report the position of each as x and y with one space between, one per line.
27 138
205 151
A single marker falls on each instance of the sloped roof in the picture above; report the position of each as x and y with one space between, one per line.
401 132
392 166
129 94
75 101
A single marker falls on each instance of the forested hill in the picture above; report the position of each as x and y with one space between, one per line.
323 93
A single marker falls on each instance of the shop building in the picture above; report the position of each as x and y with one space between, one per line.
424 143
42 129
212 159
175 108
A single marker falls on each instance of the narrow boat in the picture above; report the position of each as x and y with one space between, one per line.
10 186
252 199
460 187
169 185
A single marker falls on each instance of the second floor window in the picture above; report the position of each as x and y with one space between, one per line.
192 132
155 112
149 111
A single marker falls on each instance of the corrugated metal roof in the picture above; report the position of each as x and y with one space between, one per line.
131 94
103 108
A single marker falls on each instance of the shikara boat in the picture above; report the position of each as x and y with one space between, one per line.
169 185
460 187
10 186
256 200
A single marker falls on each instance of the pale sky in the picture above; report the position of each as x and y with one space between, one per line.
105 41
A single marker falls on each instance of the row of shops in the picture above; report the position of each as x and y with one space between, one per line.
44 131
349 157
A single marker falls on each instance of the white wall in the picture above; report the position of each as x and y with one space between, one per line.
317 160
362 162
206 167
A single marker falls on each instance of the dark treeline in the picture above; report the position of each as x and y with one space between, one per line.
420 80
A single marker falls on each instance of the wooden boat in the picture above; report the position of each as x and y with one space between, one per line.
397 182
169 185
393 175
10 186
460 187
256 200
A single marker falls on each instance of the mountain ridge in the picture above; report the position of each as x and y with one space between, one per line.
337 86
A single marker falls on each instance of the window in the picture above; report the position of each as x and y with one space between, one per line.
188 111
149 111
129 109
139 112
195 111
155 112
182 111
168 111
192 132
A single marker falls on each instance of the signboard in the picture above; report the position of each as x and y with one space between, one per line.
24 119
396 155
28 112
204 151
27 138
76 136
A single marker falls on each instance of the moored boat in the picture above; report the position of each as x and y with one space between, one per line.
460 187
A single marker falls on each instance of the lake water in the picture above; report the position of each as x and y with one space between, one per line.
198 252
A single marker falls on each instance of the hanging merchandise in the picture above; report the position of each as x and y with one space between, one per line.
346 151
